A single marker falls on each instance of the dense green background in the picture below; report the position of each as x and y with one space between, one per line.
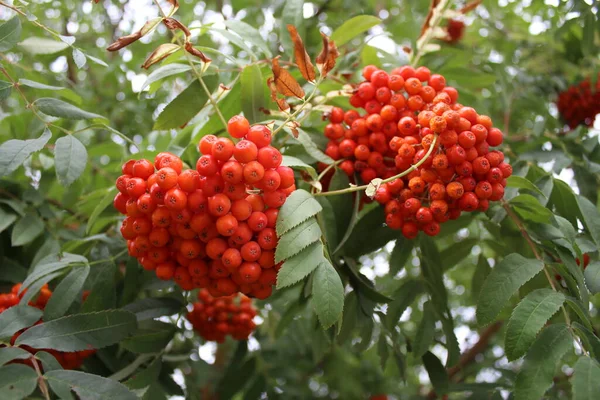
513 60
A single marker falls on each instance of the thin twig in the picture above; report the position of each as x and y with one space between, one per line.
41 380
195 71
400 175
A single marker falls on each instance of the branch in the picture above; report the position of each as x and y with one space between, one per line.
470 354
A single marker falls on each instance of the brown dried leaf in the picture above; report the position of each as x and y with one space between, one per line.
294 129
161 52
224 87
302 58
195 52
326 59
150 25
470 6
281 103
124 41
432 7
285 82
173 25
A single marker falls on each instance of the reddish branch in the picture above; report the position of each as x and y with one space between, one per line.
471 354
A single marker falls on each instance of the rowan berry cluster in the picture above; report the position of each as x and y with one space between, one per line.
213 227
215 318
580 104
72 360
408 112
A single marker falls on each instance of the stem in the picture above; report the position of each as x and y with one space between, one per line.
537 255
329 167
196 72
436 18
300 108
41 380
29 105
35 22
400 175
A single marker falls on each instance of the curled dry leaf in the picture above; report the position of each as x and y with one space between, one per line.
124 41
196 53
161 52
305 66
173 25
373 187
284 81
281 103
223 87
150 25
470 6
326 59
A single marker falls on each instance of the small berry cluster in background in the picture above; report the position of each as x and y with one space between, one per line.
455 30
579 104
70 360
213 227
408 112
215 318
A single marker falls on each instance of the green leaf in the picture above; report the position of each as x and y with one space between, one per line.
362 284
328 294
400 255
186 105
39 45
26 230
81 331
52 264
437 373
359 243
311 147
564 200
17 381
292 13
70 159
14 152
530 209
165 71
403 298
587 41
146 377
298 267
6 220
482 270
592 277
154 307
10 33
37 85
523 183
249 34
586 379
296 163
425 331
103 293
540 363
528 318
298 207
503 282
66 292
5 88
151 337
91 387
353 27
576 271
102 205
79 58
62 109
7 354
253 92
589 338
297 239
591 218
